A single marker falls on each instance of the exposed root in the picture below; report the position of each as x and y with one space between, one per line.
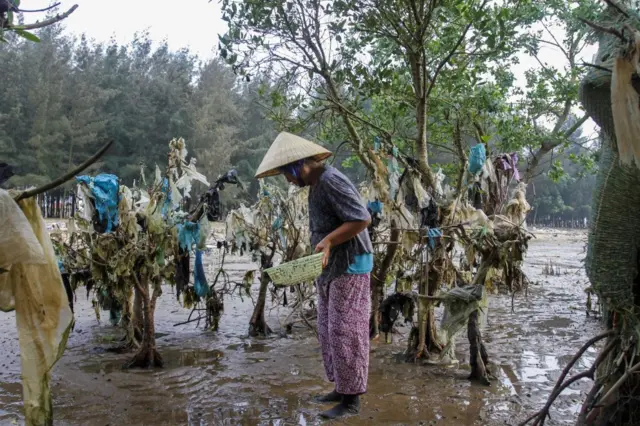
259 328
479 358
146 358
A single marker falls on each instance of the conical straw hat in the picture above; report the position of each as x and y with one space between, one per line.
286 149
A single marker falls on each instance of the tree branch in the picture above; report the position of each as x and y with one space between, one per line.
53 6
561 384
562 49
600 28
576 126
447 58
598 67
46 22
67 176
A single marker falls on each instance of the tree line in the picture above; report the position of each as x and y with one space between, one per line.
66 95
63 97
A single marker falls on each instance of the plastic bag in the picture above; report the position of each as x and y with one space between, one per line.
104 191
477 158
18 244
43 315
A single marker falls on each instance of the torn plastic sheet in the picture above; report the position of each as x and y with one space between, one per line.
459 303
34 288
104 192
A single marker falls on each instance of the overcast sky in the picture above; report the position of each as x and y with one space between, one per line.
195 24
192 23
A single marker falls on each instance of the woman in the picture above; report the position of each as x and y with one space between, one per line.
338 221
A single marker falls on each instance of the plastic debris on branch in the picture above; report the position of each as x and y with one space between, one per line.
103 192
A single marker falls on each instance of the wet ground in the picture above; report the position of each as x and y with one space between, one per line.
226 378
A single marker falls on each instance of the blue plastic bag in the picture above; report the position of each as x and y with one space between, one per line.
199 278
188 235
375 206
433 234
477 157
104 189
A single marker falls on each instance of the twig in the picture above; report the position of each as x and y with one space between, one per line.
561 385
46 22
604 29
579 354
67 176
598 67
188 321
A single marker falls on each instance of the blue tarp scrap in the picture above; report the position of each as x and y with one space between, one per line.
200 284
433 234
375 206
477 158
104 189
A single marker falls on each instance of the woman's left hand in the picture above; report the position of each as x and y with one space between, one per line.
324 246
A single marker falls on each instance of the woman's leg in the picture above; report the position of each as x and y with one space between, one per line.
323 329
349 309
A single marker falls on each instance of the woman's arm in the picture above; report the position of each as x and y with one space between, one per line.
342 233
347 206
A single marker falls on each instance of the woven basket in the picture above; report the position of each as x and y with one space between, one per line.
297 271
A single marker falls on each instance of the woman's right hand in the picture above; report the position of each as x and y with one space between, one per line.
324 247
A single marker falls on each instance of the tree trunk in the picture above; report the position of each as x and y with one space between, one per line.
378 281
133 336
478 354
432 344
425 339
258 324
147 355
138 316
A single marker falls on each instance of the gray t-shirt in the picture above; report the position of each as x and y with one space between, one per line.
334 200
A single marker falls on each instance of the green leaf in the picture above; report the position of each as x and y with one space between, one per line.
27 35
223 53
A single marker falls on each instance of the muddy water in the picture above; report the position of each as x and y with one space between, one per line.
226 378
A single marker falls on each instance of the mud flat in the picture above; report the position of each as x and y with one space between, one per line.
226 378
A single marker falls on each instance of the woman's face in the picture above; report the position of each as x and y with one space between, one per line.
304 173
291 179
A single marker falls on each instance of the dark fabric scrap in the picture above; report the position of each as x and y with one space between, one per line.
6 172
